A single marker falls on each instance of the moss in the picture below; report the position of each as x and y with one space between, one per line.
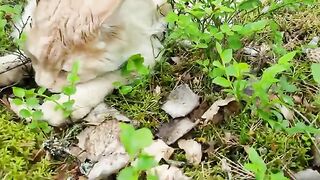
17 144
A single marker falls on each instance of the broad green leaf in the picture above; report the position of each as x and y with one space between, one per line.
69 90
226 56
37 115
216 72
231 71
17 101
172 17
32 102
219 47
221 81
126 139
315 71
128 173
286 86
41 90
125 89
24 113
143 137
257 164
235 42
19 92
145 162
152 177
278 176
249 4
287 58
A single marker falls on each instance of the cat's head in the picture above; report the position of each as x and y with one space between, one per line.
63 32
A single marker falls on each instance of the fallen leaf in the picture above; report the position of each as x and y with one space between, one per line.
160 150
314 55
172 131
103 147
212 113
287 113
176 60
316 151
198 112
181 101
192 149
308 174
164 172
101 112
157 90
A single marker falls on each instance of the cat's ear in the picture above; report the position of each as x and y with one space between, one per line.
102 9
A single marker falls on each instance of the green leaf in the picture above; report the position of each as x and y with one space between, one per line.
17 101
24 113
145 162
41 90
143 137
69 90
221 81
125 89
219 47
315 71
126 134
287 58
152 177
226 56
249 4
128 173
257 165
19 92
32 102
278 176
235 42
216 72
172 17
37 115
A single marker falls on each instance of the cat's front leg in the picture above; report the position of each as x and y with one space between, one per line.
88 95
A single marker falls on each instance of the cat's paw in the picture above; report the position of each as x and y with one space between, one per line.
52 115
80 113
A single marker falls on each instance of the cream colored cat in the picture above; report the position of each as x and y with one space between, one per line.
100 34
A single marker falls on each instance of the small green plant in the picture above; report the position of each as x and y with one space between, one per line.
134 141
30 100
259 168
135 68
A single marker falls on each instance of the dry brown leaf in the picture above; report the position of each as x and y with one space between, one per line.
212 113
160 150
164 172
101 112
287 113
192 149
172 131
102 146
181 101
308 174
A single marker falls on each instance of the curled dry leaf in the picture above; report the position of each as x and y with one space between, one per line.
181 101
101 112
316 151
313 55
212 114
157 90
172 131
287 113
308 174
102 146
160 150
164 172
192 149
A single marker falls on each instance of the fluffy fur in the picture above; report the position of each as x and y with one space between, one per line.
100 34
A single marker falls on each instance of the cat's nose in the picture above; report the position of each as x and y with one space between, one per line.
44 80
